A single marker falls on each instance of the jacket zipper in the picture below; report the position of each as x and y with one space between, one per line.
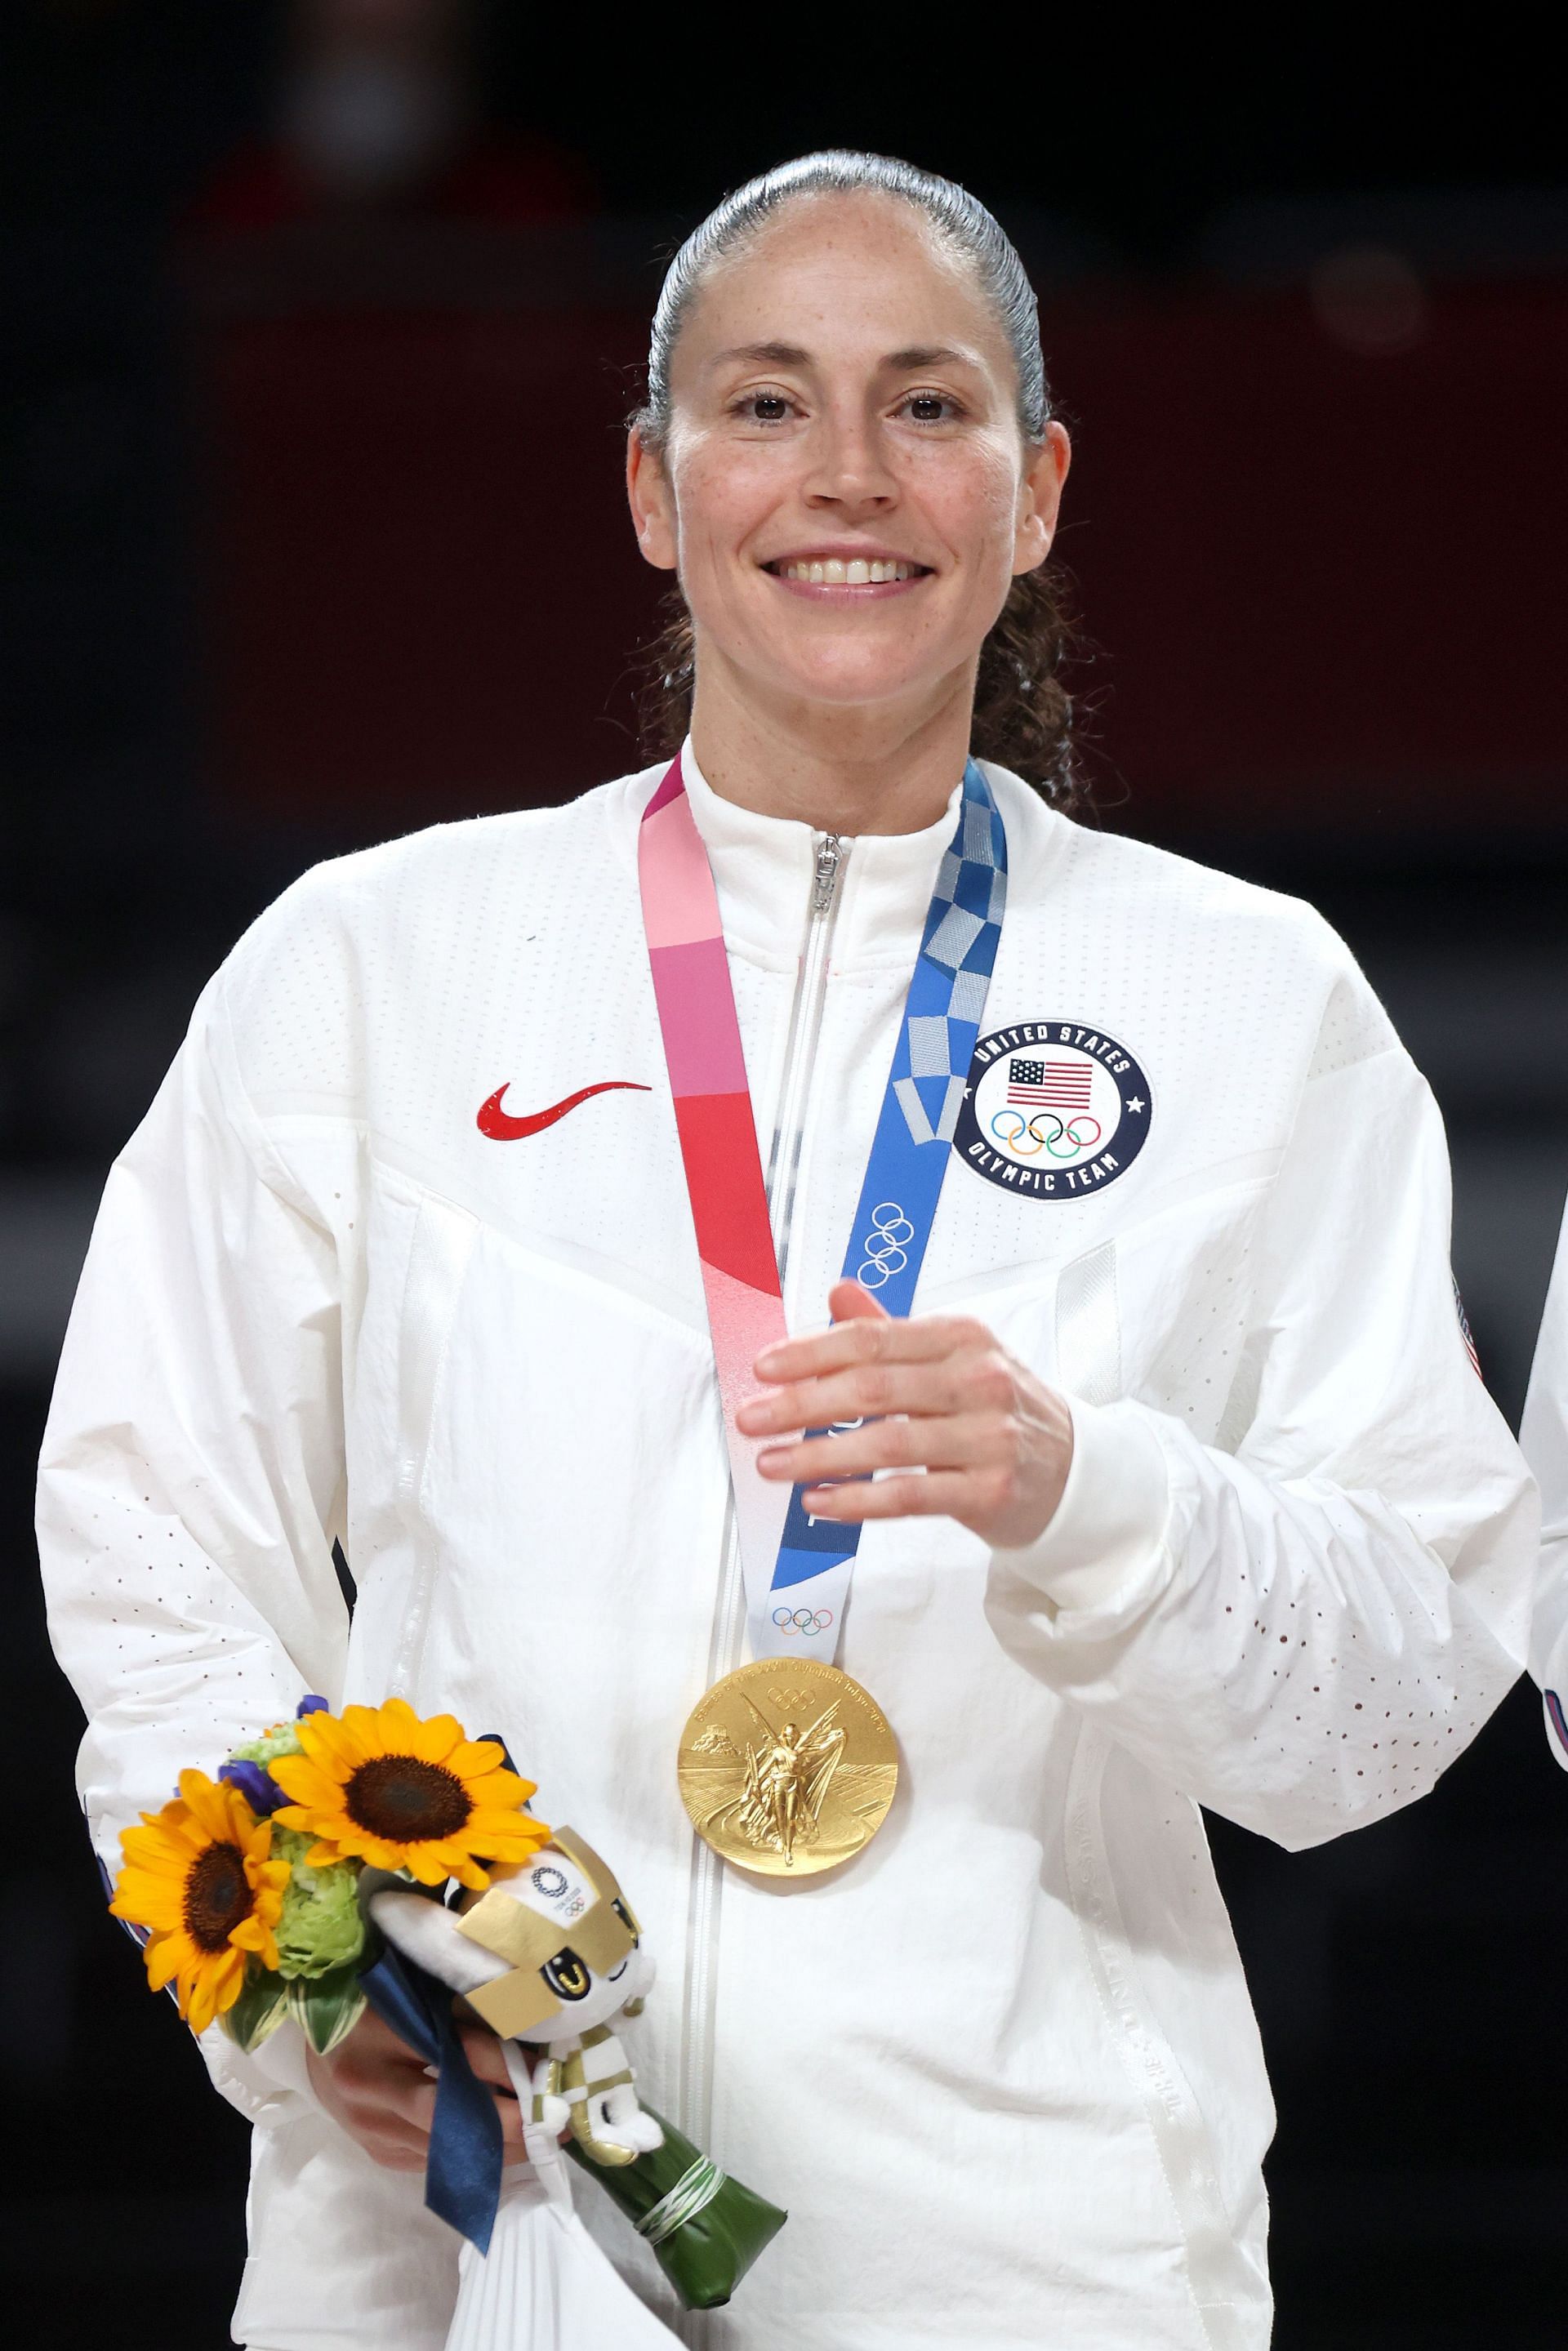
695 2096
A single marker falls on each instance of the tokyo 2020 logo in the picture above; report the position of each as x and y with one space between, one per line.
1054 1110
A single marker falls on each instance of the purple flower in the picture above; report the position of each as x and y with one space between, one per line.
259 1789
311 1705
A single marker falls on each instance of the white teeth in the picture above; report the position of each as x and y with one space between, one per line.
861 571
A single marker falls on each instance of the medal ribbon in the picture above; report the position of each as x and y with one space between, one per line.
797 1569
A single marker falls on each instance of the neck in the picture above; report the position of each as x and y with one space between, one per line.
837 767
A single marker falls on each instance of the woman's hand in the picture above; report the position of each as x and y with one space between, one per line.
376 2087
985 1442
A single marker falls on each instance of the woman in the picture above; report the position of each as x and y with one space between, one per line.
1187 1493
1544 1436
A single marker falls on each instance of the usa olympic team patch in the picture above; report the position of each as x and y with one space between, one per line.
1053 1108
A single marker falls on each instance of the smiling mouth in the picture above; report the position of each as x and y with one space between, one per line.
838 571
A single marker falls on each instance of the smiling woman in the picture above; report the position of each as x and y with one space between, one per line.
1180 1485
953 428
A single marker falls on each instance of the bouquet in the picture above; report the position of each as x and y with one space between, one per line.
311 1878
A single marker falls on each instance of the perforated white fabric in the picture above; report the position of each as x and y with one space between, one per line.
323 1299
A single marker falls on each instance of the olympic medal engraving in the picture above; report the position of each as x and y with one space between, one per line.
787 1767
1053 1109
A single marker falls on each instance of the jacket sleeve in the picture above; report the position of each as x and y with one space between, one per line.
191 1466
1544 1436
1302 1630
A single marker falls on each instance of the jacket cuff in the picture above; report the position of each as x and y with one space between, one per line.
1111 1520
270 2085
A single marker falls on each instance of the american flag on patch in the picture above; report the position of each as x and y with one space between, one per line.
1464 1333
1050 1085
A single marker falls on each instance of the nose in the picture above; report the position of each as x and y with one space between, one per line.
850 472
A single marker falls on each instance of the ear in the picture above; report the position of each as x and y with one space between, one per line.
652 507
1040 499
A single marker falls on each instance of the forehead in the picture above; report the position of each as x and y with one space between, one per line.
851 275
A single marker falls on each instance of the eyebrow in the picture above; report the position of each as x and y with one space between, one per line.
915 355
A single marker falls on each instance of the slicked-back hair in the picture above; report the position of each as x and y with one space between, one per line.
1023 715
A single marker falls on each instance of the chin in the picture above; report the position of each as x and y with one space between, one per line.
852 680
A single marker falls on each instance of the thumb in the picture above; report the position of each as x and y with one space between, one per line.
848 1302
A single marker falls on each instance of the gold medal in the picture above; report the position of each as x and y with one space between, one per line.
787 1767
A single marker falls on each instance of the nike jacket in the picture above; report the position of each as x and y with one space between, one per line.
1543 1433
1003 2070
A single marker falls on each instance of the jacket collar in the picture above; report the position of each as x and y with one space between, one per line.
764 866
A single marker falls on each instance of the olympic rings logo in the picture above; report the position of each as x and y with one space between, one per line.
802 1619
886 1246
1014 1142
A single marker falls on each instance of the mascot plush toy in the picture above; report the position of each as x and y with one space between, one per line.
551 1957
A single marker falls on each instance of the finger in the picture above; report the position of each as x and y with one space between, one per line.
394 2157
485 2057
953 1383
402 2100
967 1440
945 1494
918 1338
848 1302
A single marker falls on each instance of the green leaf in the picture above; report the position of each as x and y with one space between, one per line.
262 2005
327 2007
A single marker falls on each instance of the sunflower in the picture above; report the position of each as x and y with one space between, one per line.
379 1784
199 1875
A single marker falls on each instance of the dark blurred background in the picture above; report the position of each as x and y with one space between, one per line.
317 326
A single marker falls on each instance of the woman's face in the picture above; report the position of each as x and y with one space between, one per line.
845 492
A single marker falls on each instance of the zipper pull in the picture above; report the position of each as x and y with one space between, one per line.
829 856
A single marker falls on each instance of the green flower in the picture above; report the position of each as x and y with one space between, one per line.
322 1927
283 1739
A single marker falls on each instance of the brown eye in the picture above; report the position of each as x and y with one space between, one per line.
768 407
927 407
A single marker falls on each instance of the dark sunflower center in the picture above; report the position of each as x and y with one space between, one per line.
217 1896
398 1797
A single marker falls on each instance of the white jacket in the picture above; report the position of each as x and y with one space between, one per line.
1543 1433
1003 2070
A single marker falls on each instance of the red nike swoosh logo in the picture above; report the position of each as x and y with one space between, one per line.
501 1128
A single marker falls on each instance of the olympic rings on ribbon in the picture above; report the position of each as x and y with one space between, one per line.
802 1619
885 1246
1038 1142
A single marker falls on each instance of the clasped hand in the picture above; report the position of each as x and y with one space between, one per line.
958 1427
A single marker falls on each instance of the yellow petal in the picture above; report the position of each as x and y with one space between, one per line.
306 1783
160 1846
420 1865
475 1758
164 1955
161 1918
230 1982
332 1745
433 1741
199 2007
187 1979
206 1805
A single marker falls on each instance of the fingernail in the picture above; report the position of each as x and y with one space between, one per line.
769 1361
772 1462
